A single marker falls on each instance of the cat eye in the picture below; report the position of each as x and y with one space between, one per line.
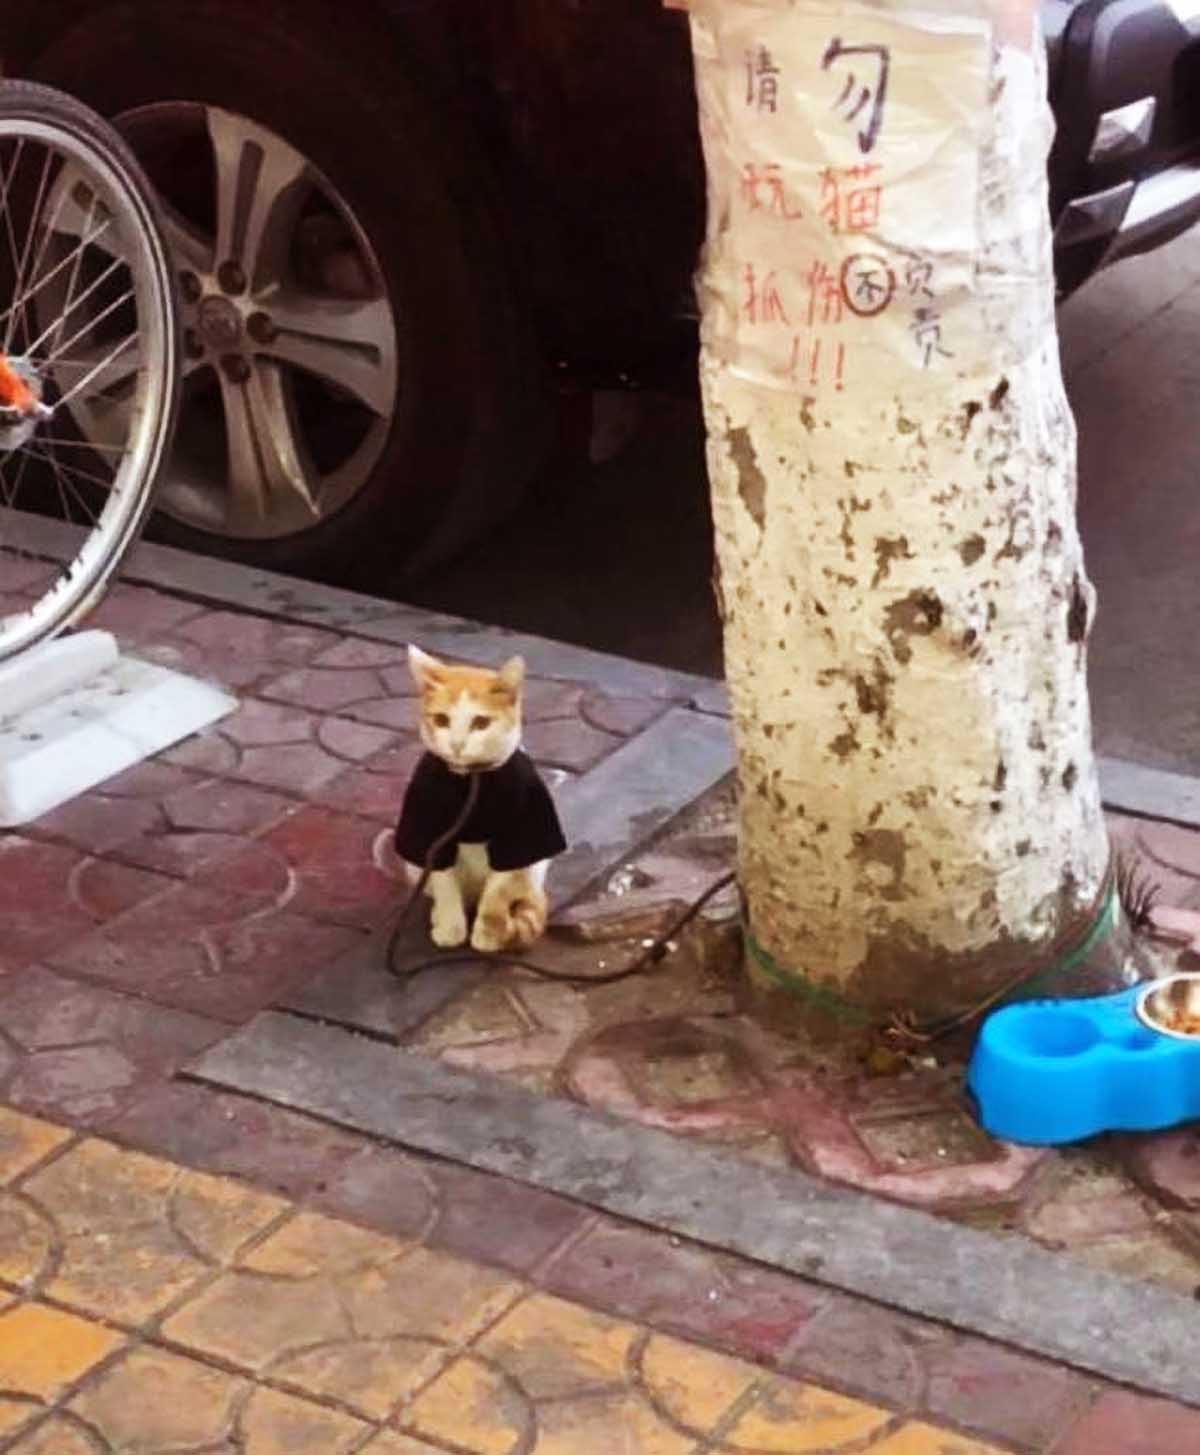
441 719
479 723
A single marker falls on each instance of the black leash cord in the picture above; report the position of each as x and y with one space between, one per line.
650 956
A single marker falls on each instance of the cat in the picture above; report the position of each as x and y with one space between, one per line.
471 725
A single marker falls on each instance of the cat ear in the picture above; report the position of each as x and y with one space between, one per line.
427 671
512 674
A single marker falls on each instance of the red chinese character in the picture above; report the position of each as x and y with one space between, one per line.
862 209
850 208
762 190
825 301
762 303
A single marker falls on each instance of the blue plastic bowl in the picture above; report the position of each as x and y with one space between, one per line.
1047 1072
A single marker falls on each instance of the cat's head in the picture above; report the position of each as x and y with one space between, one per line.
470 716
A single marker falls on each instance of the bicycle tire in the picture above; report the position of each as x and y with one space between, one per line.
82 151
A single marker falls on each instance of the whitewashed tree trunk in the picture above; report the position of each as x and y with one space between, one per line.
892 460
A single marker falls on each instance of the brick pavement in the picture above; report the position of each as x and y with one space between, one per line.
147 1307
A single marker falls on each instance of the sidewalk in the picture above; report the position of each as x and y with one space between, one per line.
156 1309
155 927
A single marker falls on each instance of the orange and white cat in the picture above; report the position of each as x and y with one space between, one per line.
470 725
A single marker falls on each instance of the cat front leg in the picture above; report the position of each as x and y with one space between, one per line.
448 921
512 910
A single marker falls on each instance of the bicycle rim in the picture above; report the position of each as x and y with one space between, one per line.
87 314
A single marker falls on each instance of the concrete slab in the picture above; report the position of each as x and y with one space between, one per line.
611 810
1150 792
80 713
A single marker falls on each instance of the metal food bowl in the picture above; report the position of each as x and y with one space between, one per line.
1161 1000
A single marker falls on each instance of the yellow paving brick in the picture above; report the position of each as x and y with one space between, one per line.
430 1294
24 1141
55 1436
309 1245
474 1407
372 1377
921 1439
280 1424
136 1232
796 1418
26 1241
621 1424
192 1404
389 1443
43 1350
252 1320
14 1413
694 1386
554 1348
219 1216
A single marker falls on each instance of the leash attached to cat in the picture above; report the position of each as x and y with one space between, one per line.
478 827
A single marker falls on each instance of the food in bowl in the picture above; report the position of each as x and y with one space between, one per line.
1172 1006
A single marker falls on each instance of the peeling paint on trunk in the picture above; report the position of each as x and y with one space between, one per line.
903 576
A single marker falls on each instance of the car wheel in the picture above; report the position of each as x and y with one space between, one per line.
358 380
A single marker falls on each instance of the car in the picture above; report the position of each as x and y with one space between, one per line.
406 229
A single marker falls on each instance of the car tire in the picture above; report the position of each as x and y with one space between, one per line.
470 421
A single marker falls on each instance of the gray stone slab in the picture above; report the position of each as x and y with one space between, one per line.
712 698
608 812
1150 792
358 990
1005 1288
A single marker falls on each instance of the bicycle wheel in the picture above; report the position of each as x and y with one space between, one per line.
87 320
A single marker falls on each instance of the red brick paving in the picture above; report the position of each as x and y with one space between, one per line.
687 1290
1002 1394
193 950
1168 1166
268 1145
1123 1423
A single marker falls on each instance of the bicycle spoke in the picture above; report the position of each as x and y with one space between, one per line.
89 326
74 276
6 184
19 285
60 472
35 288
11 495
71 307
104 365
75 470
98 445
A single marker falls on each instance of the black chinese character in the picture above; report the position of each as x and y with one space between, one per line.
762 80
857 94
868 284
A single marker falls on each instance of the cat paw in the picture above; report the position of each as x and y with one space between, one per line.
485 939
448 931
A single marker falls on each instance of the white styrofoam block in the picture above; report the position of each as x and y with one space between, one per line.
53 751
41 673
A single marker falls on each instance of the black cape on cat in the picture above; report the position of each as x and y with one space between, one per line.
514 814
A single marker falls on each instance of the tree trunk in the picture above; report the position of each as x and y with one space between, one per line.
892 460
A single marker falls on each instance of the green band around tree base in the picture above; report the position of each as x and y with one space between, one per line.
840 1008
